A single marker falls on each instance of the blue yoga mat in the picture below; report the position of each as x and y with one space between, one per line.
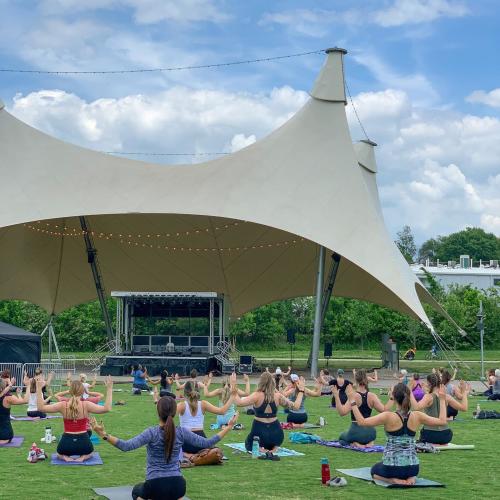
94 460
118 493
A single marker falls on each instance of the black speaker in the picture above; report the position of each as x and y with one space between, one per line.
290 336
328 350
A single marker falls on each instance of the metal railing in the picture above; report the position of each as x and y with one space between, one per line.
99 355
227 353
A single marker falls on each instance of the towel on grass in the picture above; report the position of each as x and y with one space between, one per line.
377 448
282 452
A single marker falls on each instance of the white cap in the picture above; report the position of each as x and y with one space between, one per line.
294 377
278 371
497 372
404 372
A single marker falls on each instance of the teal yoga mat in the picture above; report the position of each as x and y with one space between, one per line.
365 474
282 452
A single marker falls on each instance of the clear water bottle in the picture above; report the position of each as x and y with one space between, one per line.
48 435
255 447
478 409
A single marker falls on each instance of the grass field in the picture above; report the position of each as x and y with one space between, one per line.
467 474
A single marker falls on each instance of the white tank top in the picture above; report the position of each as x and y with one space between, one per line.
32 406
192 421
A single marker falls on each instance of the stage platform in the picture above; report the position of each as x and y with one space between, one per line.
121 364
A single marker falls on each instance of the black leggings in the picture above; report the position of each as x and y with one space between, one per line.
436 437
451 412
296 418
164 392
395 471
187 448
6 431
270 435
75 444
36 414
343 398
494 397
161 488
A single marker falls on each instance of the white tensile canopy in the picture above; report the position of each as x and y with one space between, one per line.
248 225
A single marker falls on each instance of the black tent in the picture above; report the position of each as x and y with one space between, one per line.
18 345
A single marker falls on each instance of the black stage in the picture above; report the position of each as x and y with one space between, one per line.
121 364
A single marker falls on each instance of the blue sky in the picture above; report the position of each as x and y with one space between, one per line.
424 74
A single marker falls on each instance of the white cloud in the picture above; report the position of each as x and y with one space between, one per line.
416 85
144 11
240 141
491 98
181 11
403 12
177 120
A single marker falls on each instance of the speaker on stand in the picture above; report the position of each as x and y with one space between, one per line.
290 338
328 351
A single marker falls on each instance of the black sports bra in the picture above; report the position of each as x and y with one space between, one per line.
364 409
260 411
403 431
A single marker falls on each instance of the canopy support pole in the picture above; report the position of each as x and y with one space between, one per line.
322 302
317 312
94 265
49 328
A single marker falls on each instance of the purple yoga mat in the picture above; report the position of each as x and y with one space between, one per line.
31 419
16 442
378 448
94 460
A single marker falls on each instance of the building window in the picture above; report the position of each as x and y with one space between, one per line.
496 281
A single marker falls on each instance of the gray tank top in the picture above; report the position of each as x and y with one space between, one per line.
496 387
301 409
433 411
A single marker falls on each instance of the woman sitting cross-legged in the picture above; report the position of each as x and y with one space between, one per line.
6 401
431 404
165 382
30 397
76 439
164 480
266 426
360 437
298 417
192 414
224 393
400 463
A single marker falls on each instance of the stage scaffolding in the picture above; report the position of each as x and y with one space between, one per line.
127 304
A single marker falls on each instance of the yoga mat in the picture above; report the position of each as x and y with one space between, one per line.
282 452
32 419
451 446
290 427
16 442
115 493
94 460
118 493
378 448
364 473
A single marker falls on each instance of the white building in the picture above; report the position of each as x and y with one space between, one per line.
482 277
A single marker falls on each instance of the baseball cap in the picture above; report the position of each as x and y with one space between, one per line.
294 377
340 371
278 371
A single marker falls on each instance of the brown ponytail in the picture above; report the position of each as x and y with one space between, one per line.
401 394
167 408
192 396
433 380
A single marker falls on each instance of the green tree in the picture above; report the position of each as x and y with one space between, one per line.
429 249
473 241
406 244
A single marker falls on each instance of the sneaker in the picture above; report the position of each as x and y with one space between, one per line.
337 482
321 422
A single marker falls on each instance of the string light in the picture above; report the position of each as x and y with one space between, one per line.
147 240
53 230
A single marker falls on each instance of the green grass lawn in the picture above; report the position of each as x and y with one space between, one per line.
467 474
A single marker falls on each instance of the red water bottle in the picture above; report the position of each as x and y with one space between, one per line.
325 471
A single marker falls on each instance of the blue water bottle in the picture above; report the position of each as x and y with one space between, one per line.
255 447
